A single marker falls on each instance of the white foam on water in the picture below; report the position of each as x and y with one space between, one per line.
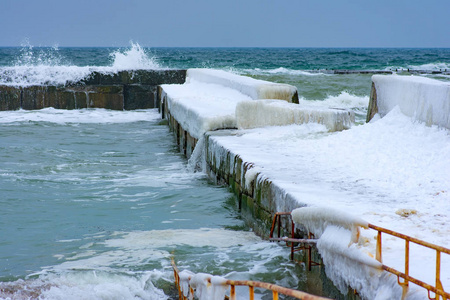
128 265
49 68
284 71
438 66
133 58
78 116
344 100
85 285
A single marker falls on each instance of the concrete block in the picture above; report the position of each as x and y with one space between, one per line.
109 97
9 98
139 96
33 97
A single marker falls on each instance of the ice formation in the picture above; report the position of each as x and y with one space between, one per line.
317 219
255 89
261 113
375 171
370 173
215 99
205 286
201 107
421 98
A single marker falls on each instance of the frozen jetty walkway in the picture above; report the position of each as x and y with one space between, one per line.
279 155
392 172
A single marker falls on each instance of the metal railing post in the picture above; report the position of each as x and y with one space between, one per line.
232 292
378 254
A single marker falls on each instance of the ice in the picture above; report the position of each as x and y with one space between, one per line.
255 89
215 99
261 113
317 219
421 98
392 172
200 107
206 286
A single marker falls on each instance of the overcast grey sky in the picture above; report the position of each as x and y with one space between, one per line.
230 23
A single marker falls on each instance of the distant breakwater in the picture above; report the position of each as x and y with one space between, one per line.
124 90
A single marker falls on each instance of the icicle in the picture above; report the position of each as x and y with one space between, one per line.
197 161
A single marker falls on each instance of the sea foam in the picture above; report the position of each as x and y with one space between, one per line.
48 67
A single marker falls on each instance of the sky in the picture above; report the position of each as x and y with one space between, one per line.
230 23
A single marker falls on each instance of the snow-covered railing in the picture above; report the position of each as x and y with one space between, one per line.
317 219
209 287
294 243
438 289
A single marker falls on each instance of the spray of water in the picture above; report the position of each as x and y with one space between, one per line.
133 58
48 66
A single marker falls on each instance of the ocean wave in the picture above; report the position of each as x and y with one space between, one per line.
134 58
78 116
439 66
283 71
48 67
344 100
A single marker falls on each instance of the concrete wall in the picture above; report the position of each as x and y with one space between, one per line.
423 99
123 90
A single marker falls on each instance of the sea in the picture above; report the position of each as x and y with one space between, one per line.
94 203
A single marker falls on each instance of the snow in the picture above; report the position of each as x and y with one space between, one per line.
206 286
261 113
317 220
392 172
254 88
199 107
215 99
421 98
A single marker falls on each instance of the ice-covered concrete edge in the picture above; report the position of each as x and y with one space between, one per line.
254 88
348 262
423 99
200 107
265 112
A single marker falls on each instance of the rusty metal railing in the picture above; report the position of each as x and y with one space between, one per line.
292 242
276 289
437 289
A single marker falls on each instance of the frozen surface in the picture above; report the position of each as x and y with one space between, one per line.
254 88
393 172
215 99
421 98
201 107
261 113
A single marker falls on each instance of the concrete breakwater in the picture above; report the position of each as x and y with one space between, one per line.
206 107
424 99
125 90
267 183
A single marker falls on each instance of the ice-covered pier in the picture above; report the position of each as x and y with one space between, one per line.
278 156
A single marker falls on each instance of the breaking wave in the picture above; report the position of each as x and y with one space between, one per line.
47 66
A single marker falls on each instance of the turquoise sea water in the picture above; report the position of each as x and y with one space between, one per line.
95 202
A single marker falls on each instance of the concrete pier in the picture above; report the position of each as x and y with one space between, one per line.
126 90
423 99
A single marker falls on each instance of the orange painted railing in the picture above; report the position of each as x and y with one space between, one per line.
292 242
276 289
437 289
